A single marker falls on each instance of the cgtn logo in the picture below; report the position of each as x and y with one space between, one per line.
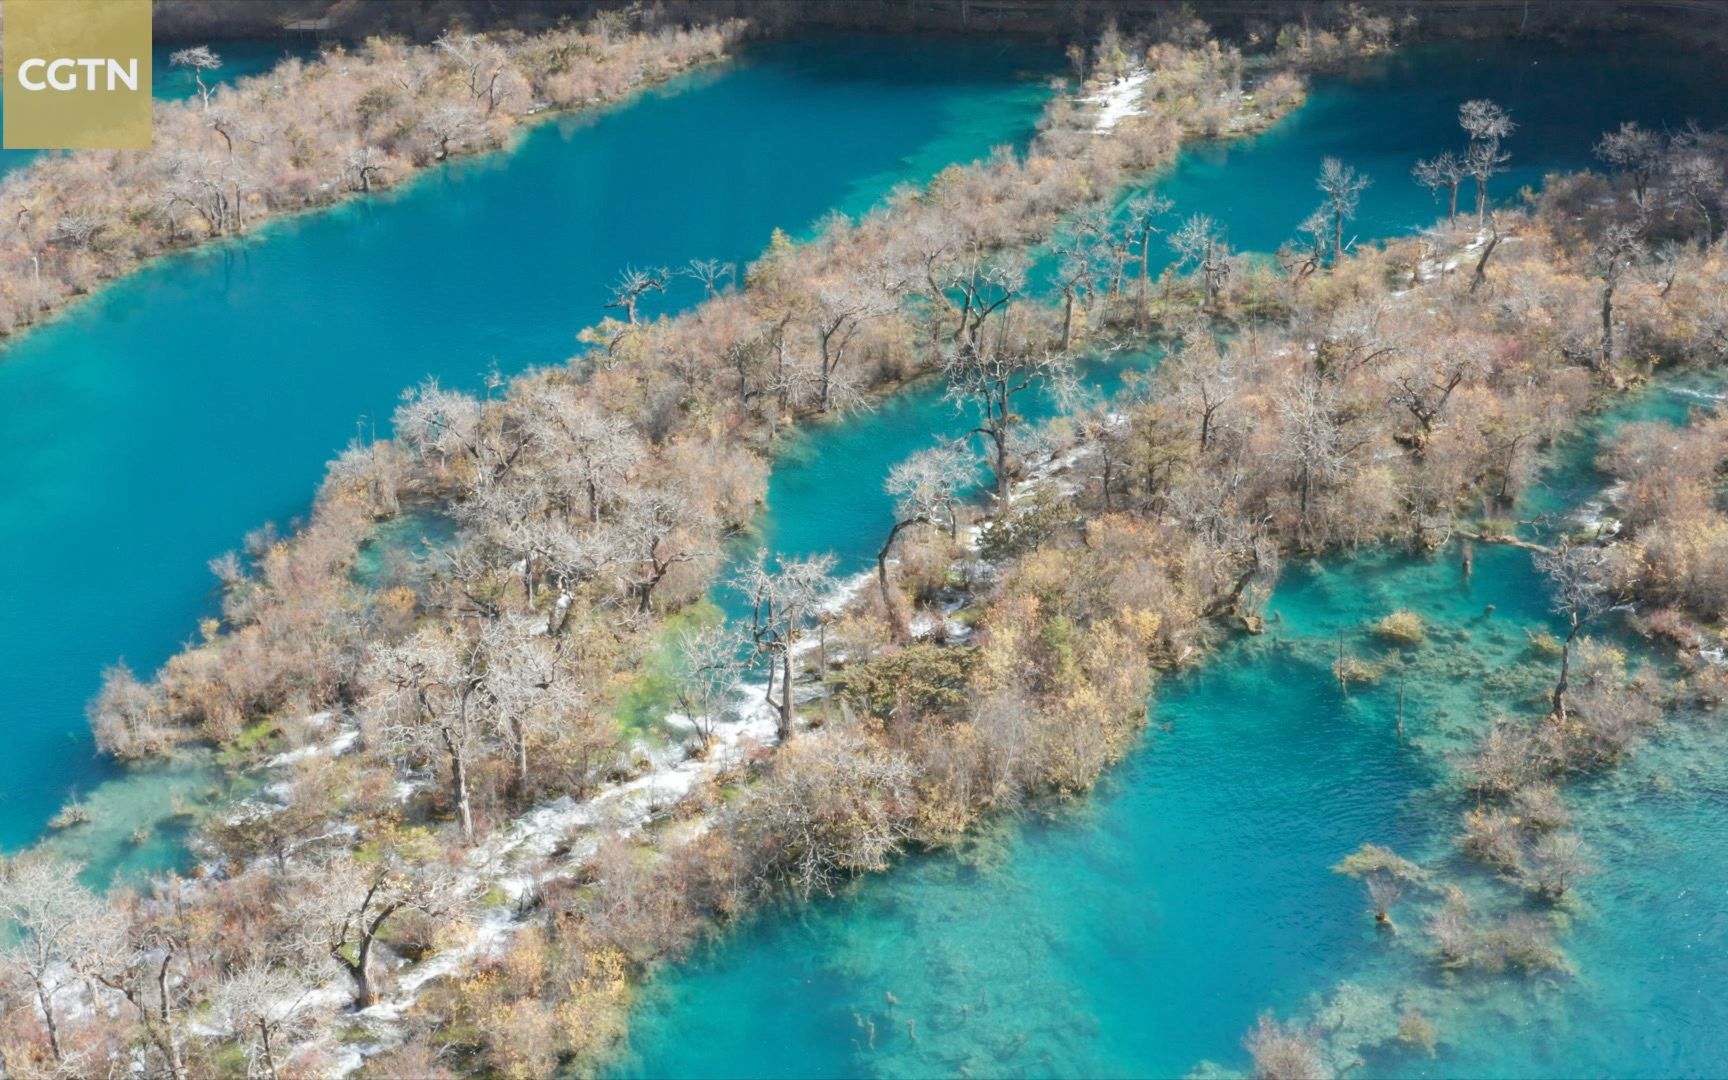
77 74
39 74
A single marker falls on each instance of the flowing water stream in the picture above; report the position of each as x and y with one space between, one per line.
1140 933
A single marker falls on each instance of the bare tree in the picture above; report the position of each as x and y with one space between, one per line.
632 285
60 930
1343 186
1422 387
141 968
1200 243
1579 576
1619 249
841 311
710 272
341 906
1636 153
706 669
263 1005
987 286
987 381
427 698
1144 212
1696 172
483 66
1305 253
926 488
364 167
1203 380
1443 171
1073 279
783 599
832 807
589 454
1316 443
198 59
527 687
447 123
660 528
1487 124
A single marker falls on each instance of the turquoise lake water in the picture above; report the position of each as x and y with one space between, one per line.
1136 934
148 429
1140 933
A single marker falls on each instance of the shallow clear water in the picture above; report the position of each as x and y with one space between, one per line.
148 429
1140 933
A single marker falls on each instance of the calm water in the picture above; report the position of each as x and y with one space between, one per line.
149 429
1141 933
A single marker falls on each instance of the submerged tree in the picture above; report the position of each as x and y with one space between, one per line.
1284 1051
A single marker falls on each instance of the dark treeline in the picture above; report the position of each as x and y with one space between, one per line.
1242 20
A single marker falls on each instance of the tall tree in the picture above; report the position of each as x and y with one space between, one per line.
1486 124
1578 574
926 489
1343 186
198 59
1443 171
988 381
783 598
1200 243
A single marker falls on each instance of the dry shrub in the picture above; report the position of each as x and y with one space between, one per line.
1284 1051
1402 627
